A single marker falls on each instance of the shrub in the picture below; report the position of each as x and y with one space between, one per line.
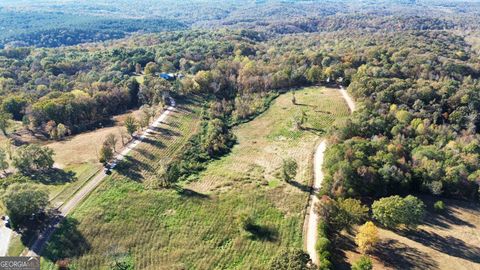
323 247
322 244
341 214
295 259
439 206
325 264
289 169
364 263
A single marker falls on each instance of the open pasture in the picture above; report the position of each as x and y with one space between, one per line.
197 225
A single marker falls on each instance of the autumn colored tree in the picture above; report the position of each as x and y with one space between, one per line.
62 131
367 237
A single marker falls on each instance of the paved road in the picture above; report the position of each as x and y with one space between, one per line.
312 222
67 207
5 235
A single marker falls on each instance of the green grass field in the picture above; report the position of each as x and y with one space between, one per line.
197 226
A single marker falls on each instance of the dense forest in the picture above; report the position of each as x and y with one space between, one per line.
417 130
55 23
53 29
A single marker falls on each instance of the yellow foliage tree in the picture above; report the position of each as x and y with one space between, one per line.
367 237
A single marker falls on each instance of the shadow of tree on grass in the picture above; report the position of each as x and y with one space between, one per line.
67 242
262 233
132 168
55 176
300 186
185 192
449 245
449 216
341 244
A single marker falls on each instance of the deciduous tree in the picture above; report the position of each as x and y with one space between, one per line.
111 140
33 158
5 122
62 131
23 201
294 259
130 125
364 263
341 214
106 153
367 237
394 211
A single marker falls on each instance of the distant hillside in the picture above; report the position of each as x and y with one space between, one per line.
53 23
54 29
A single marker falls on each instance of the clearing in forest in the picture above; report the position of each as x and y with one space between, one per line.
198 226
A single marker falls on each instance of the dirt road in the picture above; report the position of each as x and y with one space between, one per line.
67 207
348 99
5 235
312 222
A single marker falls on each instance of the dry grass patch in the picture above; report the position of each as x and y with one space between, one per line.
84 147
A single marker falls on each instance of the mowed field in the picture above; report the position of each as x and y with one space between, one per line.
84 147
450 240
196 226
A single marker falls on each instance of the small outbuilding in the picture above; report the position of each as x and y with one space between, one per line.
168 76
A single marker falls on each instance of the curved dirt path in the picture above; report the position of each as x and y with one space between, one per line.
68 206
312 222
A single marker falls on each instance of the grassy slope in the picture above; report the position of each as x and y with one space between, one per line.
198 228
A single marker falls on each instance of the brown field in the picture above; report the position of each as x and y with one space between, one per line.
86 146
445 241
78 154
